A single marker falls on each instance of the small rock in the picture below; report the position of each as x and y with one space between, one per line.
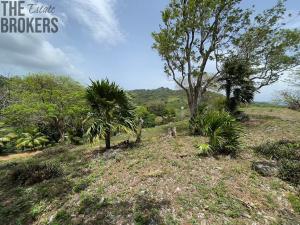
265 168
177 190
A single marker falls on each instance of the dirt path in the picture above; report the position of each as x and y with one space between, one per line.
17 155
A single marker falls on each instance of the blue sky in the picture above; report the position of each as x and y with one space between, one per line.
104 38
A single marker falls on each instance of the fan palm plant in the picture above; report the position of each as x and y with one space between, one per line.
223 132
112 111
236 83
32 140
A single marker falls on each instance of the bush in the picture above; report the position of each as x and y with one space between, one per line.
32 173
223 132
148 117
287 153
283 149
221 128
291 99
289 170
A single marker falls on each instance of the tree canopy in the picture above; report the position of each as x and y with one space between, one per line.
194 33
53 104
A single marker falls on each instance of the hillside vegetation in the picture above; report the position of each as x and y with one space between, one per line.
174 99
163 180
72 154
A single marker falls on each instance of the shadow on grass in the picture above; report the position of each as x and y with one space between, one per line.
21 205
142 210
113 151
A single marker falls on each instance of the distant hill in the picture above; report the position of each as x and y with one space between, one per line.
171 98
174 98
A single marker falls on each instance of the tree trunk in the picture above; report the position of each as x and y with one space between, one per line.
139 131
193 105
228 90
107 139
193 109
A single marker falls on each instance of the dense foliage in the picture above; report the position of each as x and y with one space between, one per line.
32 140
194 32
112 110
54 105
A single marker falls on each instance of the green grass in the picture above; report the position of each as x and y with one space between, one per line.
295 202
160 181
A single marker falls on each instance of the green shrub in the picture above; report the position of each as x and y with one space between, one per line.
295 202
221 128
223 132
289 170
32 173
283 149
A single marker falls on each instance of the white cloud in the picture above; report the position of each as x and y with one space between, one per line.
35 52
32 51
99 17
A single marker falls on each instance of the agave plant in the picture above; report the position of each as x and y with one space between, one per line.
112 111
33 140
223 132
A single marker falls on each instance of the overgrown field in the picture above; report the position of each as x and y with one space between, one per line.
161 181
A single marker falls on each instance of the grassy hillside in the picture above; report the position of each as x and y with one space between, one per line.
171 98
165 95
161 181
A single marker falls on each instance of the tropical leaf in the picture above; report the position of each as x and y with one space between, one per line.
32 140
112 110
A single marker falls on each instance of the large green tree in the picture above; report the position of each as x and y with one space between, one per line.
193 33
111 110
197 32
269 45
53 104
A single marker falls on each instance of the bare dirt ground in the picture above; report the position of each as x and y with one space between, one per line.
9 157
